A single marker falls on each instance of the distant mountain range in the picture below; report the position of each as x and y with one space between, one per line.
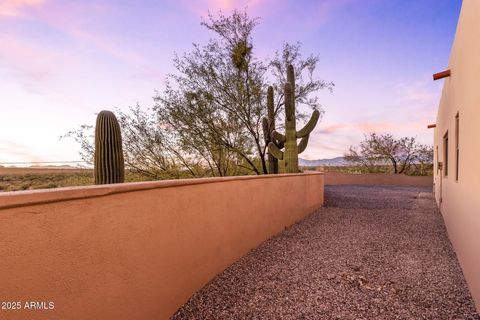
338 161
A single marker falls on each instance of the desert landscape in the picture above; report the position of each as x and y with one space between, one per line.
192 160
31 178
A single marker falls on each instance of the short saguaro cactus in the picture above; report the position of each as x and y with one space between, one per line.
109 164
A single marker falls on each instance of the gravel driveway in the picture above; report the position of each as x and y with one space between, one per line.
373 252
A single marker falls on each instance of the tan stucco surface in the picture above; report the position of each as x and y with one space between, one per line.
138 251
460 203
335 178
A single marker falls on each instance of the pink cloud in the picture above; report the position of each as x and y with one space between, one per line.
333 140
319 147
19 152
32 65
321 12
419 99
74 19
422 92
383 126
202 7
389 126
331 128
101 43
35 63
315 15
369 126
15 8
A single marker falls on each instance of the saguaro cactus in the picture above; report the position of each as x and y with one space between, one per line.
268 127
292 150
109 164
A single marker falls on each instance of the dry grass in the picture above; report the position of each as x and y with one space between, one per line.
15 179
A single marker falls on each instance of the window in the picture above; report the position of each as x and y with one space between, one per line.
445 154
457 146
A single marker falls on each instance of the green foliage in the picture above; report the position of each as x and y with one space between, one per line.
240 53
109 165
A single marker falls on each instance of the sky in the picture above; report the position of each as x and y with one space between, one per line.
62 61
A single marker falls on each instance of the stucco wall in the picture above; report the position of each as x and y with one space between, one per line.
333 178
138 250
460 203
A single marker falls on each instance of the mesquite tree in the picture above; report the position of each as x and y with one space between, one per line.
207 120
217 98
377 150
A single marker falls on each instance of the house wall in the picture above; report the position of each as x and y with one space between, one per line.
138 250
459 201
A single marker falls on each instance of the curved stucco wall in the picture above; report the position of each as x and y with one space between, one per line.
138 250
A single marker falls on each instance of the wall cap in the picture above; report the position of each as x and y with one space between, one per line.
14 199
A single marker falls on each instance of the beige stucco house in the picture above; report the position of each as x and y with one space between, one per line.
457 146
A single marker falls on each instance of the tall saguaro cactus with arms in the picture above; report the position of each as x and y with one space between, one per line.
109 164
292 150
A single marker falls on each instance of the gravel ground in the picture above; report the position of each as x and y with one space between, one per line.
373 252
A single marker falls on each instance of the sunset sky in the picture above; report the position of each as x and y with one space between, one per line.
61 61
